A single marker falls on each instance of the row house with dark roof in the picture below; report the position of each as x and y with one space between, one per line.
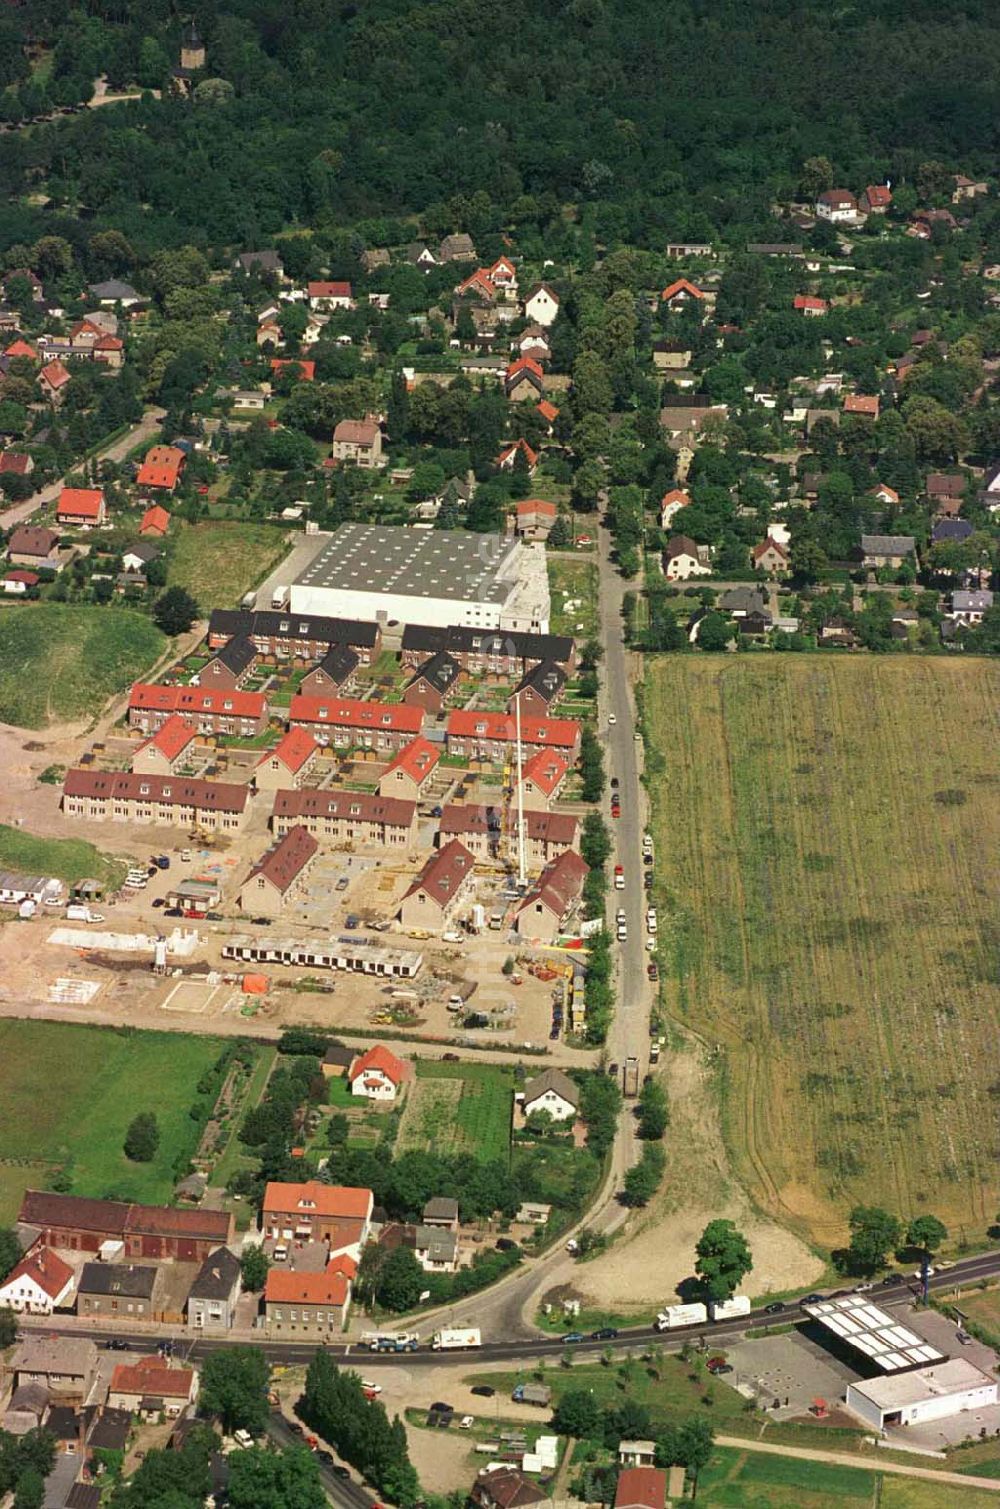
294 636
128 797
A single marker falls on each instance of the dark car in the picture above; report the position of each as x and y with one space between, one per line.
351 921
614 783
339 1470
441 1409
296 1428
451 1058
213 916
325 1456
116 1346
647 859
717 1366
436 812
173 911
612 1068
261 921
774 1309
652 971
159 901
605 1333
554 1035
812 1299
483 1390
893 1278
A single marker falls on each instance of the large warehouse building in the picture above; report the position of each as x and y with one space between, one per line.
934 1393
437 577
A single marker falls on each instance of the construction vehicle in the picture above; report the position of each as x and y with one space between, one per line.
630 1078
388 1341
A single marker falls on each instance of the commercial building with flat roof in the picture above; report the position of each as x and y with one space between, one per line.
869 1330
437 577
931 1393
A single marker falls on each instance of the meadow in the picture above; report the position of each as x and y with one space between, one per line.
68 1093
60 662
218 562
826 836
68 859
458 1108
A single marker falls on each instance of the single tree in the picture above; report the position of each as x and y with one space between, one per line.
254 1266
234 1388
142 1138
694 1442
654 1113
175 611
401 1280
577 1414
874 1234
723 1259
10 1250
927 1233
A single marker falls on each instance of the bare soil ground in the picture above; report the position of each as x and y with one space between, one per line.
644 1267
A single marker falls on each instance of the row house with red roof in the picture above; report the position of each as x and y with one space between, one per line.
212 712
146 1231
409 772
478 735
345 721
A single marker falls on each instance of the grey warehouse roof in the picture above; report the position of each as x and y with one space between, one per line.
438 563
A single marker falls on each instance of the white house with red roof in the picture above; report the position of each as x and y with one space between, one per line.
379 1074
682 291
671 504
84 506
542 779
505 460
836 205
809 307
329 295
39 1284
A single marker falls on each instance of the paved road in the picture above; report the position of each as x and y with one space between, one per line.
526 1347
147 427
343 1492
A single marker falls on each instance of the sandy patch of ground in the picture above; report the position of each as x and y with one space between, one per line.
644 1267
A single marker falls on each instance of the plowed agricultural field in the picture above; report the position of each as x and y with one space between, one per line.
828 863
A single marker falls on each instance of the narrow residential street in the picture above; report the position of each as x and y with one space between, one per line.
147 427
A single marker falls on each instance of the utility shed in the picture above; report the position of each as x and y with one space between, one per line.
931 1393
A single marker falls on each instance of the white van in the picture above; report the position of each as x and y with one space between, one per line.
243 1438
280 1253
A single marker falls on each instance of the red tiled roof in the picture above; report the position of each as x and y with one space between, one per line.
546 770
878 194
681 285
326 290
556 733
149 1376
109 343
356 432
170 1221
308 373
293 750
14 464
675 495
641 1488
29 578
21 348
284 863
519 445
417 759
540 506
45 1268
559 883
193 699
479 280
836 197
806 301
766 545
861 403
55 375
173 738
156 519
161 467
349 712
524 364
548 411
328 1200
284 1286
80 502
382 1058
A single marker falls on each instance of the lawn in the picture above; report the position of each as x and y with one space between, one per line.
59 663
576 577
68 1093
68 859
982 1306
219 562
458 1108
742 1478
826 835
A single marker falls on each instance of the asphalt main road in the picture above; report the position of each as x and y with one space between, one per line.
344 1492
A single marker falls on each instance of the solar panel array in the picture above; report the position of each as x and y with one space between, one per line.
891 1347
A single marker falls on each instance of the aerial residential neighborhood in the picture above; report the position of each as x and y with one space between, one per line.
500 521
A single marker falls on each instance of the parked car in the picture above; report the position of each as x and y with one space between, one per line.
158 901
441 1409
340 1471
483 1390
717 1366
173 911
116 1346
604 1333
653 970
774 1309
893 1278
351 922
342 883
261 921
812 1299
574 1336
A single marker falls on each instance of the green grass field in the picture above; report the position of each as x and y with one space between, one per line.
68 859
59 663
458 1108
219 562
577 577
741 1479
826 836
67 1095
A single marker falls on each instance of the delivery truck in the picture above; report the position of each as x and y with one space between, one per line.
728 1309
630 1078
78 913
681 1315
456 1339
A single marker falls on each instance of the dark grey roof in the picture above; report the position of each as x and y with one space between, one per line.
951 529
339 663
440 672
132 1281
110 1430
464 641
115 289
62 1422
546 678
268 624
742 600
237 654
264 261
888 544
338 1055
441 1208
83 1496
144 550
216 1276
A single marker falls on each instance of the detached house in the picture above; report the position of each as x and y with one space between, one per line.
681 291
326 295
541 305
876 199
40 1283
683 559
546 910
535 518
887 550
83 506
862 404
337 1214
444 881
837 205
505 460
804 303
671 504
379 1074
770 556
358 441
553 1092
161 470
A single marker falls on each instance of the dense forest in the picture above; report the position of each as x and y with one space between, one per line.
663 115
